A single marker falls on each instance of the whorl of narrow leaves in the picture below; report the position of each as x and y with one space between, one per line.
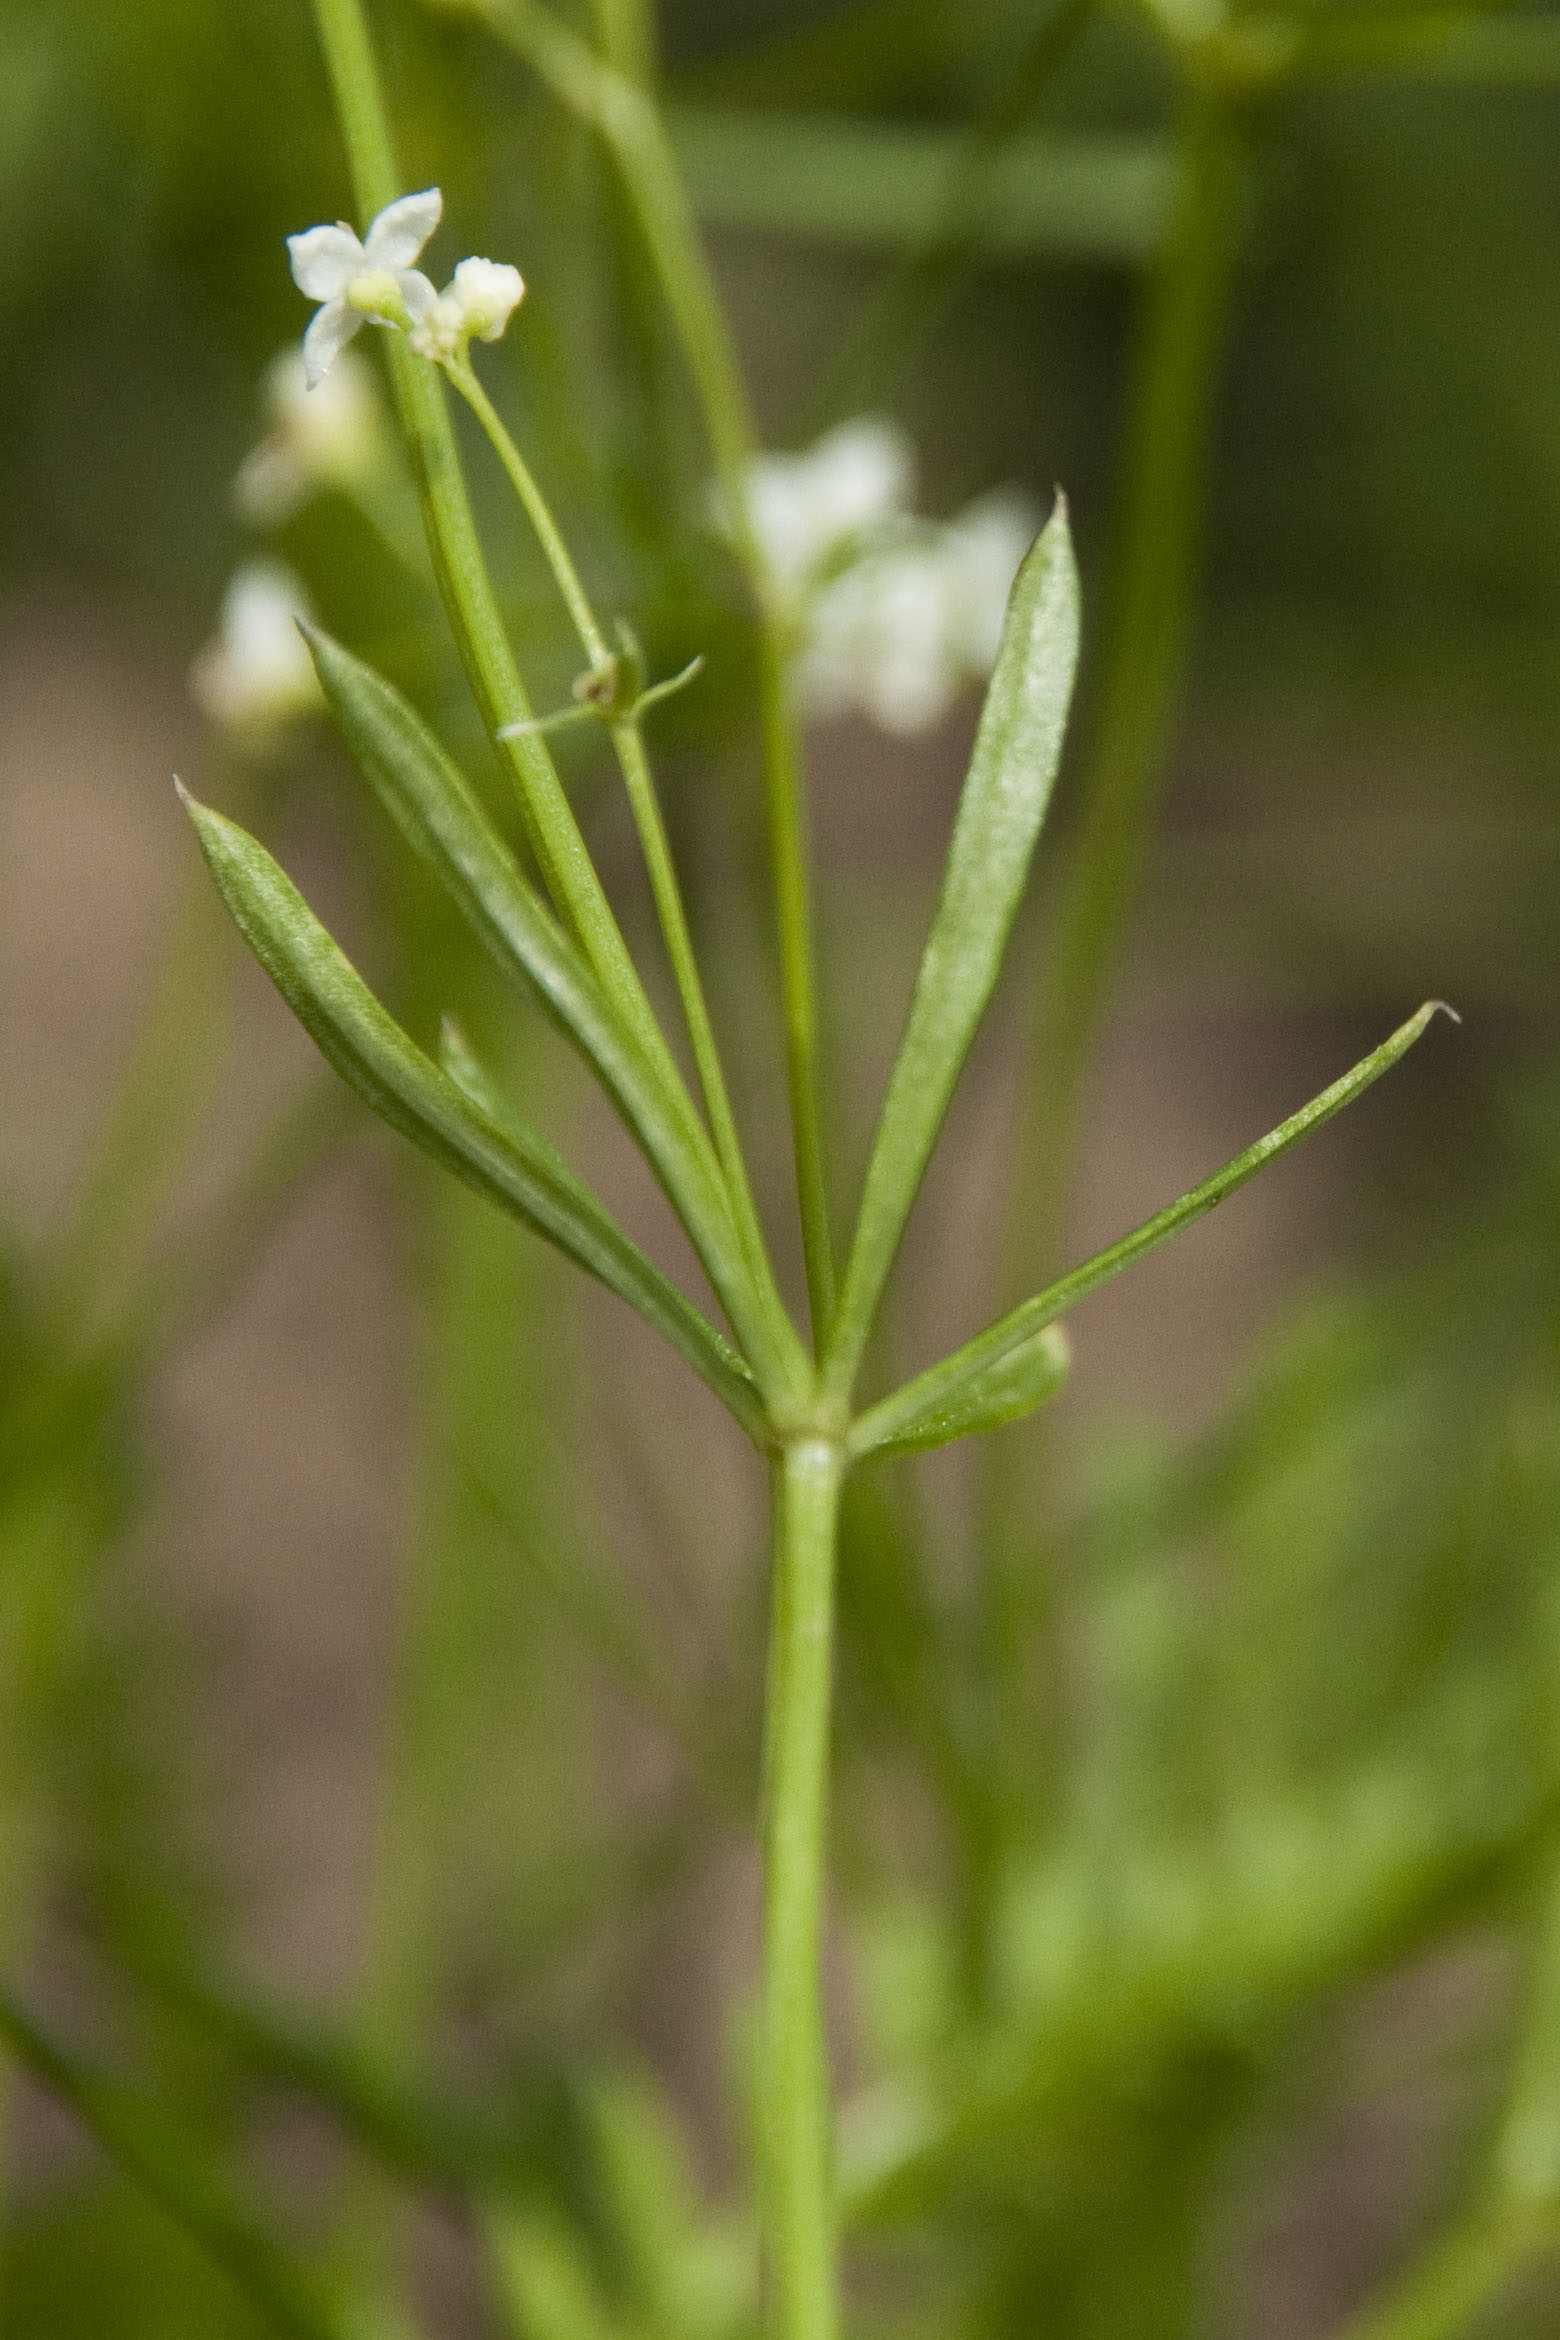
398 1082
1011 774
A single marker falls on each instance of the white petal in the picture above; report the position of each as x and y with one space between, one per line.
325 260
330 329
806 508
858 476
399 233
416 291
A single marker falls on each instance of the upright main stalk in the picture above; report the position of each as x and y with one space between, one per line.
795 2141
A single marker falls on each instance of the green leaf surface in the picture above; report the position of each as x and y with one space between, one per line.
405 1088
1012 771
943 1387
440 816
1005 1391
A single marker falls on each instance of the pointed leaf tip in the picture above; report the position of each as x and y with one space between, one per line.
503 1160
945 1388
1013 768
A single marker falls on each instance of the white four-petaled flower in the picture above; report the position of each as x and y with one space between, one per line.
356 280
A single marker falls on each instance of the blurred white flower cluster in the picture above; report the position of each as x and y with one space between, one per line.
258 674
330 437
895 614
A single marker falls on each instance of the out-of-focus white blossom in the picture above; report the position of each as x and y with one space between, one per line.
258 672
876 639
332 436
477 303
894 615
369 280
807 510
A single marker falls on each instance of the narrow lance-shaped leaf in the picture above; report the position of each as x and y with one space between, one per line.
440 816
944 1388
393 1076
1004 1391
1017 750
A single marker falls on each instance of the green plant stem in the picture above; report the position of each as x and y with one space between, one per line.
795 2138
548 534
629 748
628 121
875 353
462 572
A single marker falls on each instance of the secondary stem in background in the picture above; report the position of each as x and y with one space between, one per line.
795 2128
628 120
633 762
875 355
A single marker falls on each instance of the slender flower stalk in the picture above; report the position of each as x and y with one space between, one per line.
627 120
628 745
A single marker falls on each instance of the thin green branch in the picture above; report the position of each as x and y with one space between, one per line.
628 745
628 121
548 535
